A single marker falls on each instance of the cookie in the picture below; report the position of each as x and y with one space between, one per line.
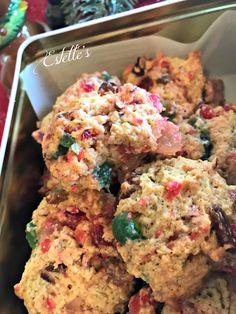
168 224
74 266
110 130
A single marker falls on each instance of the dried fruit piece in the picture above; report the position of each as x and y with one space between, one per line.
146 83
170 110
47 277
65 143
45 245
139 67
222 227
173 189
125 228
31 235
207 112
107 87
106 76
103 174
207 144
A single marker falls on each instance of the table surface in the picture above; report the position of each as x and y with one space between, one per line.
36 12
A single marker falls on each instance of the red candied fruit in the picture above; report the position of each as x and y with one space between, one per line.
190 76
80 235
70 155
140 300
73 210
164 64
50 304
144 201
45 245
87 86
158 233
207 112
80 156
137 121
134 305
74 189
146 298
173 188
202 231
194 235
155 100
50 224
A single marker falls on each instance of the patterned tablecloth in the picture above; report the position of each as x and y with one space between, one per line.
36 12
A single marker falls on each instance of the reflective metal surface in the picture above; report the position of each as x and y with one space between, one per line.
22 163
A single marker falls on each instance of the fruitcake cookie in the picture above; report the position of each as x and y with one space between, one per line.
74 266
168 224
217 296
110 129
179 82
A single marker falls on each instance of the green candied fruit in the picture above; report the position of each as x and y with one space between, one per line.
67 140
31 235
106 76
65 143
103 174
170 111
193 122
207 144
125 228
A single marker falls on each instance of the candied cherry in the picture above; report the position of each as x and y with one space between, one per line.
173 188
207 112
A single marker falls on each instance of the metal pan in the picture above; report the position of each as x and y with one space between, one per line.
21 158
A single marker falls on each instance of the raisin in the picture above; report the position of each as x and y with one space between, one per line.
45 276
107 87
61 268
146 83
222 227
139 67
97 235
